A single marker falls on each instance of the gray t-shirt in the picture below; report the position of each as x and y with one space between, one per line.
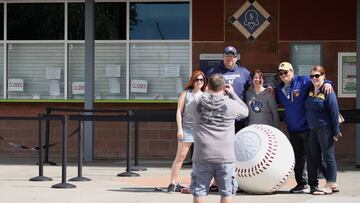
214 134
262 108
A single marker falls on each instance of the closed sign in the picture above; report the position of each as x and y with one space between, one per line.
15 85
138 86
78 87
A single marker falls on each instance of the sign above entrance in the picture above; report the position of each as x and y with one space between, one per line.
251 19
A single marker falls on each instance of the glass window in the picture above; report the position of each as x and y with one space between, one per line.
163 21
110 71
35 71
1 70
1 21
305 56
110 21
136 70
76 22
76 72
158 71
35 21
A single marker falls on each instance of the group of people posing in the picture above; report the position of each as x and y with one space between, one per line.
216 105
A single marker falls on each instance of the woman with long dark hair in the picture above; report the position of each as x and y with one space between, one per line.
194 88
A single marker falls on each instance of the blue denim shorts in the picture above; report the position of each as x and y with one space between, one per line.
187 136
224 174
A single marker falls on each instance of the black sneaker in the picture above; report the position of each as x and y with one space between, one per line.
299 188
178 187
314 190
171 188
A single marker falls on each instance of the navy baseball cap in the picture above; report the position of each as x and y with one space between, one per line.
230 49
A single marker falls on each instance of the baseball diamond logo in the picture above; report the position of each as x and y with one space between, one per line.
251 19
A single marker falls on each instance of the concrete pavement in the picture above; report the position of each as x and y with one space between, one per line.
107 187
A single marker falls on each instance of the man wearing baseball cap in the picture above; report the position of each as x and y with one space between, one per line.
234 74
214 114
291 93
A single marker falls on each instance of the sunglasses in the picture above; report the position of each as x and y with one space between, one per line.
285 72
199 79
316 76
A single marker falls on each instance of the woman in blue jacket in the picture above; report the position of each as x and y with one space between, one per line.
322 113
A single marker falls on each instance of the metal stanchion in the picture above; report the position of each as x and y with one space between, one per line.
128 172
136 166
80 154
47 139
41 177
63 183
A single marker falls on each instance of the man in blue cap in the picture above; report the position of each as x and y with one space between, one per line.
235 75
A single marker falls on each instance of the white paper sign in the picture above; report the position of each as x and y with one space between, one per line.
112 70
53 73
172 70
15 85
139 86
54 88
114 85
78 87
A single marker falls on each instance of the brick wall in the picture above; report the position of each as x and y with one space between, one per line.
157 139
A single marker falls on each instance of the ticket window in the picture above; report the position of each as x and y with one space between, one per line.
304 56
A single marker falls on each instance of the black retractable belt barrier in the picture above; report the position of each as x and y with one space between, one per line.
63 183
80 154
162 115
49 110
128 172
41 176
47 140
136 166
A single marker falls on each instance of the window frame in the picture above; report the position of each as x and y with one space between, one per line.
5 42
292 54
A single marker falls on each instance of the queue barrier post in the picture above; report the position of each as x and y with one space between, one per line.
80 154
136 166
128 172
41 176
63 183
47 139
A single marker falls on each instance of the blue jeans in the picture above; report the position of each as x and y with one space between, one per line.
322 148
187 136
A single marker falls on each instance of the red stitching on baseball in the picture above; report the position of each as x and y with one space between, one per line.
261 167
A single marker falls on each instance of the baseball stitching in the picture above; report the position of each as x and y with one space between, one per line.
265 162
282 181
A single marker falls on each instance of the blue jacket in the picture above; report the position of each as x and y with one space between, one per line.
238 77
294 104
322 110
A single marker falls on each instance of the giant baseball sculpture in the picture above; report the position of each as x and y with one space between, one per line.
264 159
